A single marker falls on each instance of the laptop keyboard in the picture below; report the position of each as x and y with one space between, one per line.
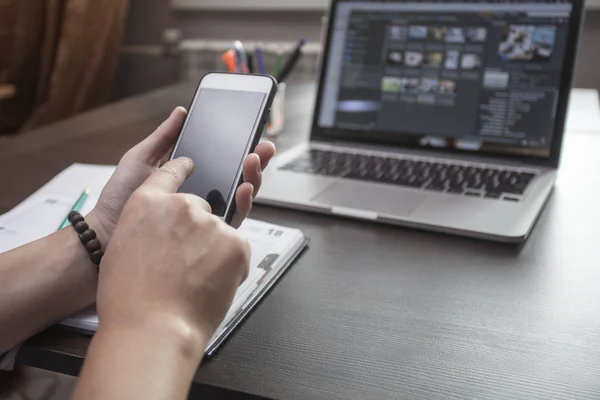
469 180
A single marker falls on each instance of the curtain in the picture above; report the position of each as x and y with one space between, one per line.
60 54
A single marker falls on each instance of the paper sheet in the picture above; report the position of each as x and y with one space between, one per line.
42 212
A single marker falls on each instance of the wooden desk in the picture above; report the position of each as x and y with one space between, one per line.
373 311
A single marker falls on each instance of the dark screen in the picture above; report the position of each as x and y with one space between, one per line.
219 127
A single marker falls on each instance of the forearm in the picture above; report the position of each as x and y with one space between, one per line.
42 283
142 362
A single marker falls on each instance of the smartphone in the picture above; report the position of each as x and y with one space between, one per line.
224 123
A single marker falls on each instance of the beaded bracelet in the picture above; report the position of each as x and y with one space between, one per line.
87 236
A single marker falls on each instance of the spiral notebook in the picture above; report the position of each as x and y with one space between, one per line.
274 247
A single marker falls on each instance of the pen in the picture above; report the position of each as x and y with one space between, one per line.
251 68
238 61
242 59
76 207
291 62
260 60
229 59
277 64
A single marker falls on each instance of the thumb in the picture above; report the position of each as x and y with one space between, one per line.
170 176
156 146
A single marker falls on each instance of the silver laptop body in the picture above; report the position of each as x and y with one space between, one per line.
442 116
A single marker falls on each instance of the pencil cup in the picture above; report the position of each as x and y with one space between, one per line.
277 116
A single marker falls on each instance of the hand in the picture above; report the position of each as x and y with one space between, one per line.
170 264
139 162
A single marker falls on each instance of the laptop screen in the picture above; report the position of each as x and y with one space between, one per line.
472 75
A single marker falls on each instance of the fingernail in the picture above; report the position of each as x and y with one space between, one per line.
189 163
179 109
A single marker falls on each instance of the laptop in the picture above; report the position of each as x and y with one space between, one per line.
442 115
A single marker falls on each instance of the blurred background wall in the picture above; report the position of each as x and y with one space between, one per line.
148 19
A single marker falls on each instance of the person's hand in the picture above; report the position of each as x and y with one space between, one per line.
139 162
170 264
168 277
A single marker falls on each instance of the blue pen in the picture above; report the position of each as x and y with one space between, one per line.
242 59
260 61
238 61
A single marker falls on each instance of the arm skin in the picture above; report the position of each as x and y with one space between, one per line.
156 360
44 282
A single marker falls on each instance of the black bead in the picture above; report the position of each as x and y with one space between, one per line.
93 245
81 227
87 236
75 217
97 256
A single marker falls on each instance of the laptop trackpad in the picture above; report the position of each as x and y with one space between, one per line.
371 197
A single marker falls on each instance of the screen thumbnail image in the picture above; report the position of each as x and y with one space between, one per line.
455 35
476 34
447 86
527 43
398 33
409 85
417 32
496 79
543 40
470 61
391 84
429 85
395 57
413 58
435 59
436 33
452 59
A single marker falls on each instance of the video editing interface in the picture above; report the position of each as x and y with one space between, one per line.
477 76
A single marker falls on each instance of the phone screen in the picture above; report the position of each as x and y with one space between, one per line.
218 129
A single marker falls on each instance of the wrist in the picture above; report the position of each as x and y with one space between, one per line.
95 223
150 360
181 338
